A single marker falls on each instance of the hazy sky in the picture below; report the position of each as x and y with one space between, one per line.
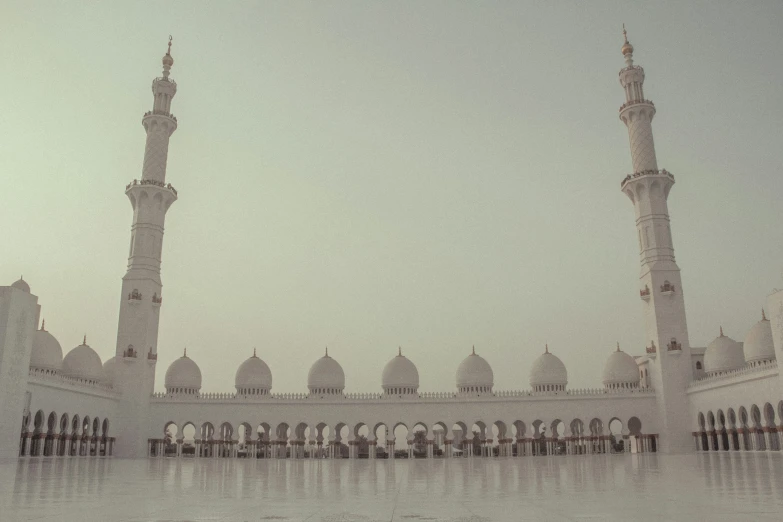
366 175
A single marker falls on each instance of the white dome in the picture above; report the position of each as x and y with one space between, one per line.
83 363
22 285
400 372
620 368
548 369
109 368
47 353
475 371
723 354
326 373
758 343
183 373
253 373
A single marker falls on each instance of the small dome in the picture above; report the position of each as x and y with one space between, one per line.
723 354
326 373
548 369
22 285
400 372
83 363
47 353
758 345
183 373
620 369
475 371
253 373
168 60
109 367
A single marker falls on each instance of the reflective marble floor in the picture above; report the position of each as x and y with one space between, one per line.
713 487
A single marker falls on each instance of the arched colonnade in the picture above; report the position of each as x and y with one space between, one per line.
439 439
50 435
745 429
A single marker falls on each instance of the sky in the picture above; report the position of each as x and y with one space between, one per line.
368 175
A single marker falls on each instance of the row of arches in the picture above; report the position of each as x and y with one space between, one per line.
400 439
57 436
756 429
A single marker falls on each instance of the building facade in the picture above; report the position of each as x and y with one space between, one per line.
671 398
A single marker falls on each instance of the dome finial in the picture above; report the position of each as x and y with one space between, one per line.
171 38
399 350
185 352
627 48
327 352
84 341
43 323
618 346
546 348
474 350
763 315
721 331
168 61
254 352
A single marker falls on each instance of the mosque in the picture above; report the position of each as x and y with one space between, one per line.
671 398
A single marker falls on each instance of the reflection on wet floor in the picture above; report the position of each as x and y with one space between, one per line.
710 486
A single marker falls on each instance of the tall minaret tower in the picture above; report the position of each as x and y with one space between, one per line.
141 296
660 286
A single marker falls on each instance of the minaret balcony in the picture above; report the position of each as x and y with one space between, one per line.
647 173
674 346
645 293
159 113
635 102
148 182
156 301
651 350
667 288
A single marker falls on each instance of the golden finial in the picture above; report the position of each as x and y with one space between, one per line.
763 315
618 346
546 348
185 352
627 48
721 331
43 324
474 350
254 352
84 341
170 39
399 350
327 352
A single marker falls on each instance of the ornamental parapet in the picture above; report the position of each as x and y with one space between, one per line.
428 396
644 173
763 369
148 182
41 376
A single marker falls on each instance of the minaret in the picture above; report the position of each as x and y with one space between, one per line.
660 284
141 296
